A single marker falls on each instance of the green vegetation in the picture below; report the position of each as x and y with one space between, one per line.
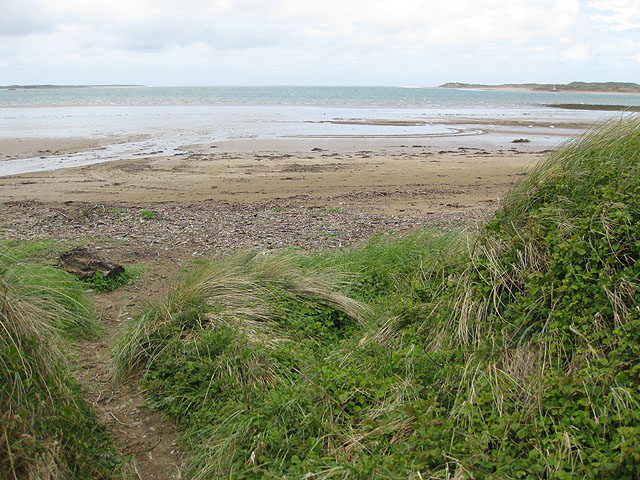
512 353
46 429
255 295
147 214
604 87
37 252
606 108
102 284
43 251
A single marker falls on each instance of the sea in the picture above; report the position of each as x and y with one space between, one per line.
150 121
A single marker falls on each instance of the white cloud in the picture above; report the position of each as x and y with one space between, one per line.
300 41
619 15
576 53
19 18
461 22
242 23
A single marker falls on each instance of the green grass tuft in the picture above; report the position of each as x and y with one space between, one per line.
47 429
147 214
257 295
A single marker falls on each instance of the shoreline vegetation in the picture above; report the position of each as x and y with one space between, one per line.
510 353
48 429
507 351
605 108
577 87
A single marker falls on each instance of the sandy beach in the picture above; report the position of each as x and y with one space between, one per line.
414 179
301 177
307 193
466 169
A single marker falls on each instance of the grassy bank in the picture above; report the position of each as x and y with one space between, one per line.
604 87
47 430
606 108
510 353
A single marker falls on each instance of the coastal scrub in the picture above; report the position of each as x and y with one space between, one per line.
513 352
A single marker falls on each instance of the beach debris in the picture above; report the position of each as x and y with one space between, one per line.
85 264
521 140
317 149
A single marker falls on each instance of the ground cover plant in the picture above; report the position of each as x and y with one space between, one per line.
511 352
46 429
147 214
102 284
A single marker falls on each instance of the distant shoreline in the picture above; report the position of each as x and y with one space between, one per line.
55 87
619 88
611 88
606 108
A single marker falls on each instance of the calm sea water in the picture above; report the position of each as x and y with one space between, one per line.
395 97
159 120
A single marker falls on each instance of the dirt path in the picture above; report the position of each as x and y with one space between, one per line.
147 441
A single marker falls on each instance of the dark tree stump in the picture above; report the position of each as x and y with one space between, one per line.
86 264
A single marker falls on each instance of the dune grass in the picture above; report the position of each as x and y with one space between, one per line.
46 429
248 292
513 352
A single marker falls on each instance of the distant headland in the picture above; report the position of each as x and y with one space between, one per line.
37 87
578 87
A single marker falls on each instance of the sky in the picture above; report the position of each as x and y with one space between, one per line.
318 42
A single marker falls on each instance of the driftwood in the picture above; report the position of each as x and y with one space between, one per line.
86 264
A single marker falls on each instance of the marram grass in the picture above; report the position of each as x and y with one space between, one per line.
46 429
606 154
251 293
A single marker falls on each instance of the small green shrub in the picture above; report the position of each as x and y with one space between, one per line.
102 284
147 214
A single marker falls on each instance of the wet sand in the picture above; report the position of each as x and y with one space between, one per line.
15 148
391 176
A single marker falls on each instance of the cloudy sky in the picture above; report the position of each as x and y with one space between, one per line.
318 42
